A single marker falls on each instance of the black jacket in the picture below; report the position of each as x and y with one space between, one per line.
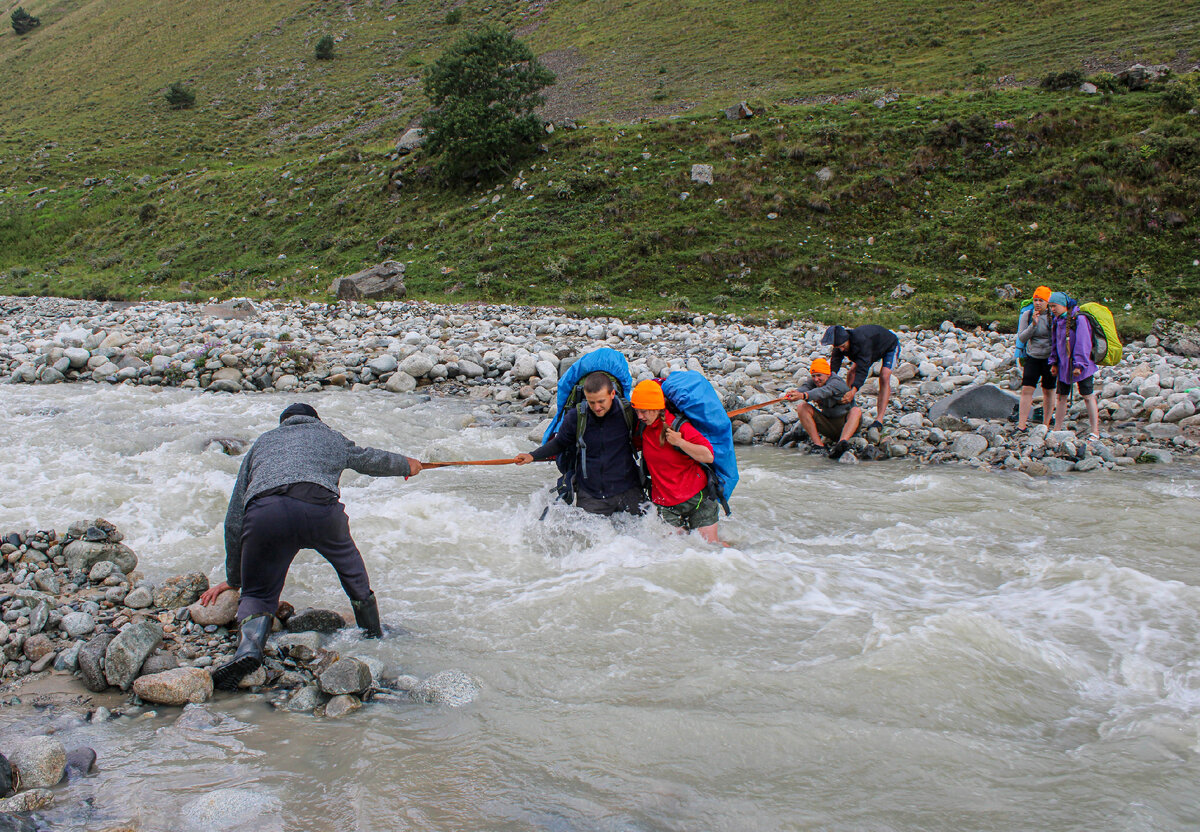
610 467
868 344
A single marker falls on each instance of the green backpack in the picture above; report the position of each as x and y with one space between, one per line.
1106 343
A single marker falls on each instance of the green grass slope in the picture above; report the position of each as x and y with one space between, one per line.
282 176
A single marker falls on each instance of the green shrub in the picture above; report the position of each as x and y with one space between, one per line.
1067 80
484 89
179 97
1106 81
1178 98
23 22
324 49
453 16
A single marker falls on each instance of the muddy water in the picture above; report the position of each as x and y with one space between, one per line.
884 647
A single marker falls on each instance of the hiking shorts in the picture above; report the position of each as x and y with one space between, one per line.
1037 371
888 362
693 513
1085 386
830 427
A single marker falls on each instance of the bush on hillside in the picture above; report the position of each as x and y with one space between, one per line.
453 16
23 21
1178 98
324 50
1068 80
484 89
179 96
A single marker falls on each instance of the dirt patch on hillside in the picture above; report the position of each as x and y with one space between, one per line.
572 94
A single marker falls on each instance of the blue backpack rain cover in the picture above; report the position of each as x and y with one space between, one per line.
1019 354
606 360
694 397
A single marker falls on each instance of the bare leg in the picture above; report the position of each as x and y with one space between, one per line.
805 411
1048 399
853 420
1060 411
1093 413
885 392
1024 407
709 533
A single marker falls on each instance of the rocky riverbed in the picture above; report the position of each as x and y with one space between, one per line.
76 608
510 359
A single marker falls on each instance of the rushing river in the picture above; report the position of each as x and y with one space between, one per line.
883 647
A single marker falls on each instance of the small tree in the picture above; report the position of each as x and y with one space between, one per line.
324 49
180 97
23 21
484 89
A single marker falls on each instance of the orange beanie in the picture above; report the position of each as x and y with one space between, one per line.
648 395
1042 292
820 365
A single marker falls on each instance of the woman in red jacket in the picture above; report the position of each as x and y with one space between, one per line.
677 481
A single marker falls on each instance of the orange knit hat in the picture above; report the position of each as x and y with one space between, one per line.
820 365
648 395
1042 292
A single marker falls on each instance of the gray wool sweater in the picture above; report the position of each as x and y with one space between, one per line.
302 449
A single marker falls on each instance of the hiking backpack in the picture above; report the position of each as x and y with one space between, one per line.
1106 344
691 396
1019 354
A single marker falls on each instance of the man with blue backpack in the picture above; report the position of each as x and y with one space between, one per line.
594 447
1033 353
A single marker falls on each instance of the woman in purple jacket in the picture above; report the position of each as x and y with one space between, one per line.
1071 359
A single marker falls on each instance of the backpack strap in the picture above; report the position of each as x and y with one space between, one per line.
713 488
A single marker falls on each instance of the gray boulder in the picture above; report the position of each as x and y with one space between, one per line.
126 653
159 661
305 699
385 280
1178 338
341 705
180 686
344 676
28 801
77 624
980 401
91 662
220 612
449 687
81 761
315 620
223 810
181 590
41 761
410 140
81 555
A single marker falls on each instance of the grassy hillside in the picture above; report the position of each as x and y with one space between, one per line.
959 187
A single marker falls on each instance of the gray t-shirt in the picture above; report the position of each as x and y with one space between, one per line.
828 397
1035 334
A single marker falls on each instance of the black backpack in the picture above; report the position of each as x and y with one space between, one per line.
572 465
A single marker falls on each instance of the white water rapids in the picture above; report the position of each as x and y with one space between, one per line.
884 646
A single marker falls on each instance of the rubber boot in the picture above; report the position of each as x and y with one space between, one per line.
366 616
249 656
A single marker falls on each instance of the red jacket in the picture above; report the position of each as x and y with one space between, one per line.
674 476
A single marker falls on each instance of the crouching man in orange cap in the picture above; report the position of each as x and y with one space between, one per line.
675 453
823 412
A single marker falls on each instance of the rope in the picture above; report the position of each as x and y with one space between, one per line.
742 410
427 465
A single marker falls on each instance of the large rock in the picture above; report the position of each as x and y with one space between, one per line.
982 401
6 777
125 654
449 687
91 662
969 446
159 661
180 686
410 140
81 555
1178 338
228 809
342 705
314 620
40 761
347 675
305 699
220 612
77 624
418 364
29 801
181 590
378 282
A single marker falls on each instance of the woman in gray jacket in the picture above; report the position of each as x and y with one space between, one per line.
1033 328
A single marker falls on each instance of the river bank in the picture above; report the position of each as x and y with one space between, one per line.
509 359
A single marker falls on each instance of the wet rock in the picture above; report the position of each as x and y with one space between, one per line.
28 801
124 656
224 810
77 624
983 401
101 570
347 675
229 445
254 679
316 620
341 705
81 555
40 761
220 612
80 762
197 717
91 662
1057 466
969 446
305 699
39 618
175 687
180 591
1090 463
450 687
38 646
6 777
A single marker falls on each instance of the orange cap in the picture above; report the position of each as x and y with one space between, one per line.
820 365
648 395
1042 292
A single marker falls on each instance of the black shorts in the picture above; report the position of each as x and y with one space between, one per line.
1084 384
1037 370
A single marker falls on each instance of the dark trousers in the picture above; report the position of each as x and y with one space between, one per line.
627 501
274 530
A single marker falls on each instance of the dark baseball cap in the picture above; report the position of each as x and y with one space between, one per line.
298 409
836 334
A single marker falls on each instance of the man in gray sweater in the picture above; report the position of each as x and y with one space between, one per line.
833 417
286 498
